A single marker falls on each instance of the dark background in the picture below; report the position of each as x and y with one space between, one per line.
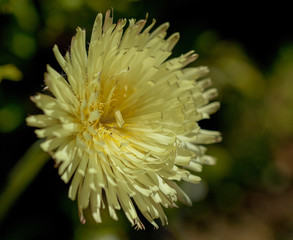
248 47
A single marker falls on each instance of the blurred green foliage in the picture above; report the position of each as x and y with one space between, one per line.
10 72
11 116
247 195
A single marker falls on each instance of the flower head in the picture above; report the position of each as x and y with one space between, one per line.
123 124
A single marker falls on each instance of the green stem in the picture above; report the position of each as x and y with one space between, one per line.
21 176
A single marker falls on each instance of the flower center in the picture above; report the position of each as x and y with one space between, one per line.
97 120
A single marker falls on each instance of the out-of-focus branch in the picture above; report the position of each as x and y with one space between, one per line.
21 176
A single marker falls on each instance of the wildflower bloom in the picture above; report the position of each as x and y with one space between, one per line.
122 125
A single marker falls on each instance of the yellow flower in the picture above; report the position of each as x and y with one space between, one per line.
123 123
